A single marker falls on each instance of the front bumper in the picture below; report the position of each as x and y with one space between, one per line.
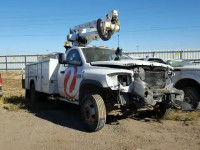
175 96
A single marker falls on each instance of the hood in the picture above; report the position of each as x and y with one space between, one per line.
189 68
128 63
106 70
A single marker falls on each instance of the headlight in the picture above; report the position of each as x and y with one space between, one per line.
112 80
120 79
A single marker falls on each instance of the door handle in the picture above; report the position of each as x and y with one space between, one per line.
62 72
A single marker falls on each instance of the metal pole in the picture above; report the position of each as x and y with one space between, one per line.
25 61
181 54
6 63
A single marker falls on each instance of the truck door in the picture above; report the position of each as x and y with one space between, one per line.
45 77
39 77
69 76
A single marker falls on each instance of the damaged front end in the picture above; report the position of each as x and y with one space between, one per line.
148 88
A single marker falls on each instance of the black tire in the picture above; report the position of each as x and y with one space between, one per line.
191 96
161 111
34 95
93 112
27 93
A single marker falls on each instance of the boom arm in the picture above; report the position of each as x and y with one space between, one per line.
102 28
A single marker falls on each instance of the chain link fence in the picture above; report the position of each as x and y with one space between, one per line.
192 55
17 62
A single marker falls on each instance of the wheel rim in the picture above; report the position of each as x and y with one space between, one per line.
89 112
190 99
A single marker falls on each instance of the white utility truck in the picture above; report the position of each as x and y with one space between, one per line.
100 79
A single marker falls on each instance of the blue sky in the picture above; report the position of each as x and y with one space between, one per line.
41 26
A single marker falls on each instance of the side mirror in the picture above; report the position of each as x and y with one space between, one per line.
62 58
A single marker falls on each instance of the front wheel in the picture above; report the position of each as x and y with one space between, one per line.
93 112
161 111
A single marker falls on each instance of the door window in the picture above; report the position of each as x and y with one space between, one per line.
73 56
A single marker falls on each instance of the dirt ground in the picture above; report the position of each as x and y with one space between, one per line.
58 126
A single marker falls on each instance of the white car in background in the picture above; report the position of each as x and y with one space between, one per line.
187 78
159 60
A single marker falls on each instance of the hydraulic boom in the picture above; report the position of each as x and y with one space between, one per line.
85 33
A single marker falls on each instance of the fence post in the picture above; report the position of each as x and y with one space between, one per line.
153 54
181 54
6 63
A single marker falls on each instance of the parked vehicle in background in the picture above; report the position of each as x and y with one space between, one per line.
1 93
153 59
187 78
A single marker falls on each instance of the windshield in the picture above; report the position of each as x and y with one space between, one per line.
100 54
179 63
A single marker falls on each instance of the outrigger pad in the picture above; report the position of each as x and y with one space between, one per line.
100 29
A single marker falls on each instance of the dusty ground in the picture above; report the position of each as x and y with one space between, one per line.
57 125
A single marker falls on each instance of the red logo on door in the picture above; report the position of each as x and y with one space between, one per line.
70 86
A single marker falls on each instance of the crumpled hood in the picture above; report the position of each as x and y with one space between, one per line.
105 71
127 63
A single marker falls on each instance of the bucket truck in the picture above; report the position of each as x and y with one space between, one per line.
93 78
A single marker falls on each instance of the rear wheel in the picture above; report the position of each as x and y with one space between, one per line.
93 112
27 93
34 95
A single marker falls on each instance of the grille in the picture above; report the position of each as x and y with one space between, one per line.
156 79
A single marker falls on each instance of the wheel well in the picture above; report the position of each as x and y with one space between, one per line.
31 82
92 88
187 82
27 93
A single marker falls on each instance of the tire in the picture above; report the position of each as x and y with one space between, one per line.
191 96
27 93
93 112
161 111
34 95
